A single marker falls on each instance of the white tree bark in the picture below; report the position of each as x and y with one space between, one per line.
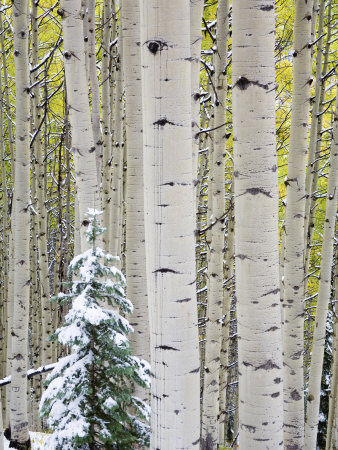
311 180
42 268
228 292
95 88
79 113
21 228
316 368
170 223
117 179
106 113
332 420
135 234
196 14
210 408
293 327
256 227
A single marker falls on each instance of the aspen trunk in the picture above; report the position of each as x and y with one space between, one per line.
21 228
106 112
313 400
169 223
332 421
293 327
79 113
95 88
311 180
135 234
210 414
256 225
42 267
117 179
228 291
196 14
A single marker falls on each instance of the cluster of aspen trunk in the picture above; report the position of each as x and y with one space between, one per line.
207 133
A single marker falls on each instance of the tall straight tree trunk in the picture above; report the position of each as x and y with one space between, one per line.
293 326
170 223
46 324
106 112
95 88
256 227
332 420
324 290
225 345
135 234
117 158
311 180
196 14
21 228
79 113
210 414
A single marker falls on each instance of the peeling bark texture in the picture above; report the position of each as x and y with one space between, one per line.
293 327
324 290
21 229
210 400
79 113
166 73
135 234
256 225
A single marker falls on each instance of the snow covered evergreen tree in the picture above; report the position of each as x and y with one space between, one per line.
88 402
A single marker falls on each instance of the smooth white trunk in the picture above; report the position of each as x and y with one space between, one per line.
21 229
256 227
83 147
210 402
170 223
293 326
135 234
324 290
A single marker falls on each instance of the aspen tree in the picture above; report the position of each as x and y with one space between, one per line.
169 223
95 88
256 225
210 410
196 13
135 245
293 327
7 100
1 426
42 267
106 112
117 157
4 249
83 146
21 226
224 356
311 180
313 399
332 421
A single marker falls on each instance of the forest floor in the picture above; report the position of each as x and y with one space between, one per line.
37 439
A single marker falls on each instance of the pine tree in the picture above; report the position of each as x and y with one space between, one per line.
88 402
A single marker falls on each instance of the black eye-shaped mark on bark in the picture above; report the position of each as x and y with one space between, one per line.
243 83
155 45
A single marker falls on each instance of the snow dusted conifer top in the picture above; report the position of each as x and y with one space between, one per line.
89 395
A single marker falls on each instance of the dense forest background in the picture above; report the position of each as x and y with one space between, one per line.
90 119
